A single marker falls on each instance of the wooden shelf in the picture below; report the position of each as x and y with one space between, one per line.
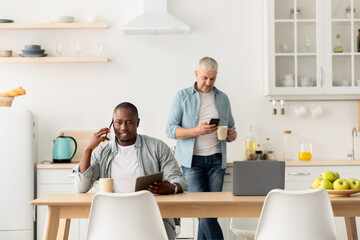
53 60
54 26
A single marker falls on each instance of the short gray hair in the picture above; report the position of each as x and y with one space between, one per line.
208 63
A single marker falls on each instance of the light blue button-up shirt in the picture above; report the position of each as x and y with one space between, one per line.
184 112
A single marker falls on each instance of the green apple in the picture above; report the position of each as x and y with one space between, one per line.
354 184
328 175
341 184
349 179
337 176
325 184
316 182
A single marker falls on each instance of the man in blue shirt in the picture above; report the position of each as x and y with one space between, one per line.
201 154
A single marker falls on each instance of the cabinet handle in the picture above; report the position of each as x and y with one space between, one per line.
321 76
71 175
228 174
299 173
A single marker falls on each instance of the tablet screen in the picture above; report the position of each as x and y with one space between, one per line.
143 182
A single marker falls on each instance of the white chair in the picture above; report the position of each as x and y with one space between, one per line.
125 216
303 214
244 227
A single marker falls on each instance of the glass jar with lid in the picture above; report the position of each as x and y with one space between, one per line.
287 151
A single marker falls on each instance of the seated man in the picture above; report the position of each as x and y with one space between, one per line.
131 155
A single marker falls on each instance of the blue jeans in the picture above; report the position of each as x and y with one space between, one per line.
206 175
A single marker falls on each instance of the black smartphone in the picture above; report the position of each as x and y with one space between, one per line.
109 127
214 121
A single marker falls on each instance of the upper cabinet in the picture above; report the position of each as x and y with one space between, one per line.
312 48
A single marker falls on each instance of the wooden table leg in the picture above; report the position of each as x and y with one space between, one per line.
64 227
51 223
350 223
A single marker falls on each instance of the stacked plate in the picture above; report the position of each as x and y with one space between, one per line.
62 19
33 51
6 21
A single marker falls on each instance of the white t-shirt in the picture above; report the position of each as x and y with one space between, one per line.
125 169
208 144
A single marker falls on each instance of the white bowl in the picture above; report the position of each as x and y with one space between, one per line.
91 18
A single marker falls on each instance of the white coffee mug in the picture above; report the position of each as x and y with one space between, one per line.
106 184
317 111
222 132
300 111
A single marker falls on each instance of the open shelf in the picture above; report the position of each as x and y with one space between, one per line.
49 26
54 60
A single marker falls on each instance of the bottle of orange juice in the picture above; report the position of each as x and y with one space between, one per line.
305 150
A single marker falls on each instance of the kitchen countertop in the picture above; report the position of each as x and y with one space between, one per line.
51 165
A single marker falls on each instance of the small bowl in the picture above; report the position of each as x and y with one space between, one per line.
6 101
91 18
33 51
32 46
5 53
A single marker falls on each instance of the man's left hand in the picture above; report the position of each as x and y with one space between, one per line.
231 134
162 188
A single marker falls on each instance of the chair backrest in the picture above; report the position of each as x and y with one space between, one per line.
304 214
125 216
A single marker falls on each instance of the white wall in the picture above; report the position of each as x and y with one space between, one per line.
147 70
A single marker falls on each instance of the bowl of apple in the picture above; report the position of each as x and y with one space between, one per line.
335 185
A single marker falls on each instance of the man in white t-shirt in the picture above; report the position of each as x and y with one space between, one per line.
201 154
131 155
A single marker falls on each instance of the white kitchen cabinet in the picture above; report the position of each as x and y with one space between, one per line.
299 56
57 181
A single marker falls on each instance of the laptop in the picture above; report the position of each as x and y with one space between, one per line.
257 178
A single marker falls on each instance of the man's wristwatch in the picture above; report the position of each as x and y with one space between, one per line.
176 188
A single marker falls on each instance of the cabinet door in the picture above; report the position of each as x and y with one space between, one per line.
342 21
300 178
43 189
292 51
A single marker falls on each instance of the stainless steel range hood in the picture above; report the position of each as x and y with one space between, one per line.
155 19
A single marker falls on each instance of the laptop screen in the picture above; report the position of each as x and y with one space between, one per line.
257 178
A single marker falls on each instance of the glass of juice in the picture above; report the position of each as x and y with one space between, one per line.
305 150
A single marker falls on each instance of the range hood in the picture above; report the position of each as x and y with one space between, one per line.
155 19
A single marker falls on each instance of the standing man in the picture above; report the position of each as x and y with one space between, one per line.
201 154
131 155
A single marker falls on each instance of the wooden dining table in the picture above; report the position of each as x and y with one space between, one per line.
62 207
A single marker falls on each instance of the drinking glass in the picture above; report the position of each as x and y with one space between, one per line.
96 49
79 45
305 150
59 47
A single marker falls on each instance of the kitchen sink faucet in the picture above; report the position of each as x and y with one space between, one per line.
353 134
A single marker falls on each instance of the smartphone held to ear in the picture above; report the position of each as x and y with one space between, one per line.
215 121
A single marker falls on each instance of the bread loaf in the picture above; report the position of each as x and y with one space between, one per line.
13 93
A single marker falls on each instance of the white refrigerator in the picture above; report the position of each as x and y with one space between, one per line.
16 174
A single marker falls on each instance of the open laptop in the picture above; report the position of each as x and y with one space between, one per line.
257 178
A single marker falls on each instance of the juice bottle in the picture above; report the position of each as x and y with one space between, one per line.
250 145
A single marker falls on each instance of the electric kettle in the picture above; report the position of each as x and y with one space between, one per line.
62 151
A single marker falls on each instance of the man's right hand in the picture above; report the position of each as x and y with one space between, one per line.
203 128
98 137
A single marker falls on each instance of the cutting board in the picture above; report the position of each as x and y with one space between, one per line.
82 138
